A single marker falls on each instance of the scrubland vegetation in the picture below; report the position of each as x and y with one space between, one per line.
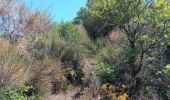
112 50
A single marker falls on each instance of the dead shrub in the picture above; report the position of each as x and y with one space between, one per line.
18 20
14 70
48 77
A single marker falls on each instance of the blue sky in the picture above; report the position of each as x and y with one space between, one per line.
61 10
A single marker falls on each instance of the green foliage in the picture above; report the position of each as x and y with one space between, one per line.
151 92
105 72
74 44
93 79
167 69
18 93
146 27
69 32
110 55
64 42
68 43
98 44
94 26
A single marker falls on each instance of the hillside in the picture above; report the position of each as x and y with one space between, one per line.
112 50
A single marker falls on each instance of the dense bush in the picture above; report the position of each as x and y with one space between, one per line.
110 55
77 42
67 43
106 73
17 93
99 44
64 42
47 78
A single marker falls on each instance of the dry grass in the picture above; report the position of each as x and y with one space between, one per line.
50 77
17 68
117 37
13 68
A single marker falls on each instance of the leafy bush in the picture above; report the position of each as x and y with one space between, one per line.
105 72
76 40
99 44
68 43
110 55
17 93
167 69
92 80
69 32
64 42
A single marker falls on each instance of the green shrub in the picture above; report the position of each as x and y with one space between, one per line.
115 58
98 45
91 78
68 43
110 55
76 40
167 69
65 42
69 32
105 72
17 93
